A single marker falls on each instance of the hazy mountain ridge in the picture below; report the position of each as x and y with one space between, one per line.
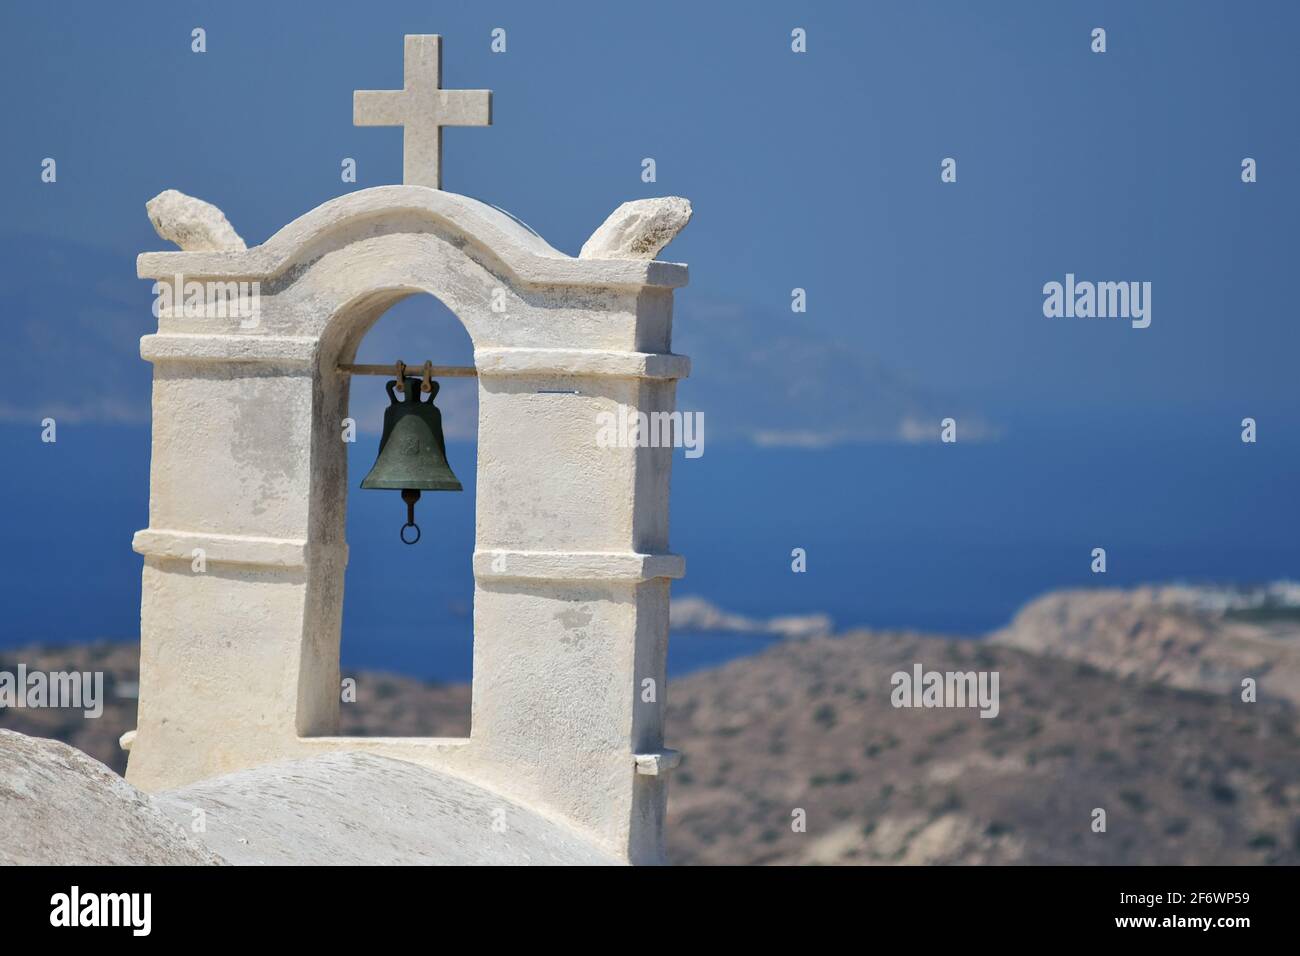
1186 771
758 378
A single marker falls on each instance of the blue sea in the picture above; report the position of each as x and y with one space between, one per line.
943 538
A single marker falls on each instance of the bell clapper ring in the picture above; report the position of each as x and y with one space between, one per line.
427 385
410 496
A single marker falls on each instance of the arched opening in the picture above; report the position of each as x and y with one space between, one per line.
407 620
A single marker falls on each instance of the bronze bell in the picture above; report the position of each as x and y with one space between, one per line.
412 453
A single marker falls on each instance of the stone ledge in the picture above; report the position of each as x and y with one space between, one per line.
300 352
580 362
222 548
290 351
657 763
413 749
626 566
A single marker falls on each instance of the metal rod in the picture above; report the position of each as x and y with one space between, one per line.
412 371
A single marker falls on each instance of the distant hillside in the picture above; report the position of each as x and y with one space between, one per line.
1191 637
1186 774
386 703
1185 777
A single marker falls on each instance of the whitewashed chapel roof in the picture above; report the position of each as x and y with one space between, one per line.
362 809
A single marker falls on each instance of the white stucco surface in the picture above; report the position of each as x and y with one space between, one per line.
343 809
59 807
572 564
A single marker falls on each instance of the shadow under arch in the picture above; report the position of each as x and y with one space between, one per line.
401 609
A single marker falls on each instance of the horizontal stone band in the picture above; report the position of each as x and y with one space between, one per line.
299 352
222 548
626 566
580 362
291 351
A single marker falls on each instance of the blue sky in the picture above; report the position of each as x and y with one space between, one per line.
816 170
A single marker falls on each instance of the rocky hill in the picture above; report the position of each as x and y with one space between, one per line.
1184 776
1191 637
1125 701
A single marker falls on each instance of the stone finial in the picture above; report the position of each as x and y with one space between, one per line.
638 229
194 225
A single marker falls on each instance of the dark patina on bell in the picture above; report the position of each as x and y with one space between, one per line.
412 453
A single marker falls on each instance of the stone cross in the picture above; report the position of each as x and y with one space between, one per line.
422 108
